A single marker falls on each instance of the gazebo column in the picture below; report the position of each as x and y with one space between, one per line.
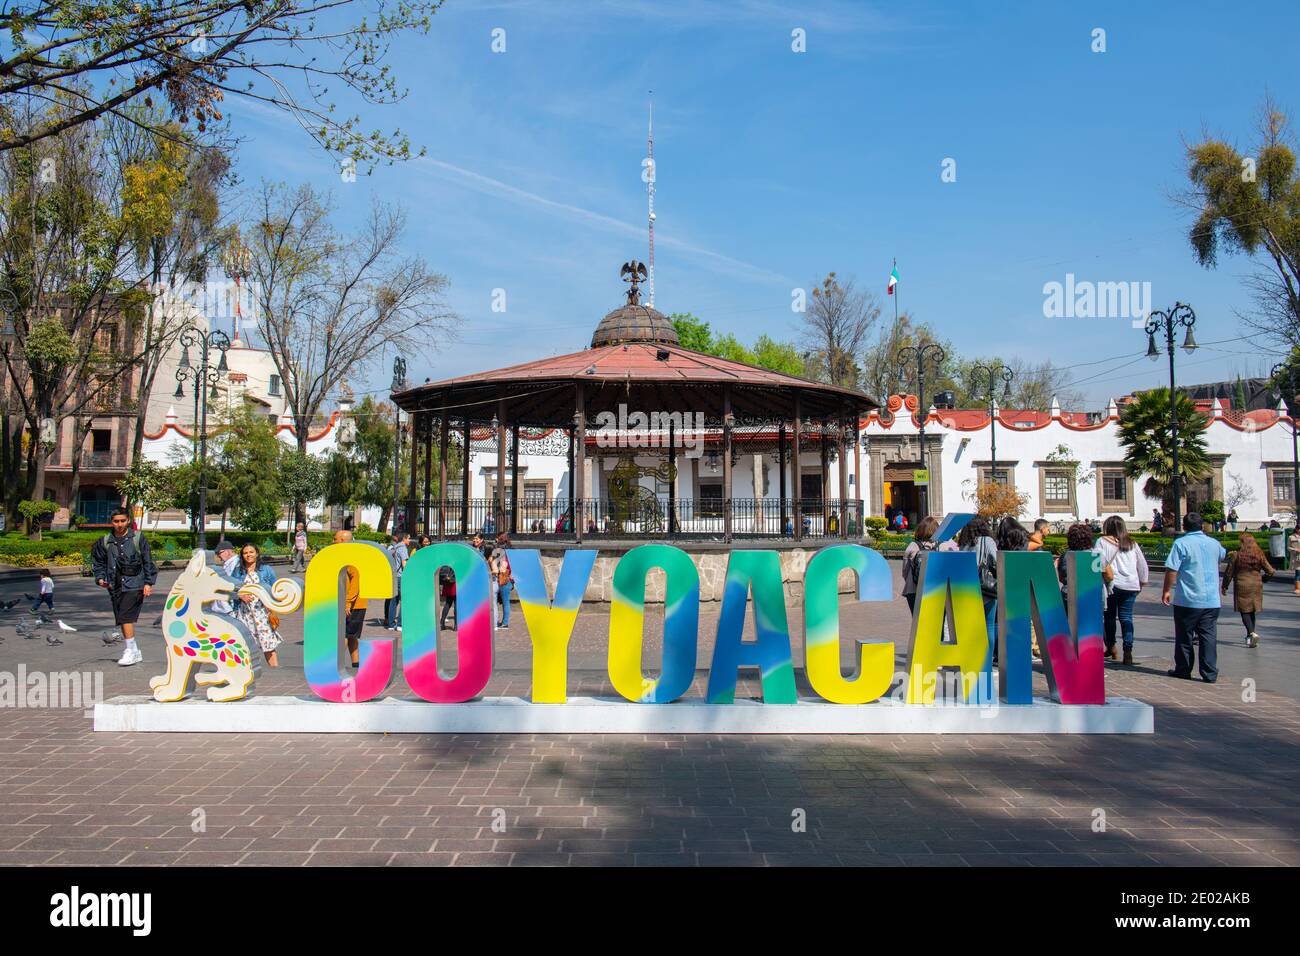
672 478
726 463
428 474
464 482
570 512
514 477
844 475
415 457
780 467
794 469
579 455
444 442
500 521
826 477
857 475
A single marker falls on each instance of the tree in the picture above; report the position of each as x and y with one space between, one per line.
1064 456
1239 493
693 333
884 375
1250 204
729 347
329 305
779 356
65 264
835 327
696 334
1033 386
360 474
283 53
1144 435
33 512
997 501
242 476
172 191
145 483
300 477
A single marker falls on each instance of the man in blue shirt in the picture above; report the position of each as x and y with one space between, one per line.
1192 587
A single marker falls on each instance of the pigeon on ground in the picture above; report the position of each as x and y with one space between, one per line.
53 641
24 630
157 621
67 629
110 636
28 596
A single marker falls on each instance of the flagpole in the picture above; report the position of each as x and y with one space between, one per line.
895 269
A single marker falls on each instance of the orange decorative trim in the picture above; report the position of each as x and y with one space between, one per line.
189 434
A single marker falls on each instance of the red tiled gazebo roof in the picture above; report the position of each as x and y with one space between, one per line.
639 374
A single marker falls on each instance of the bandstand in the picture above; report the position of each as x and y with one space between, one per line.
666 428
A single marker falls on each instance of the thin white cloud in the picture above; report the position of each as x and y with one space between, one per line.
495 187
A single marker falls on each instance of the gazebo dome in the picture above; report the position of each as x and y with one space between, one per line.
634 322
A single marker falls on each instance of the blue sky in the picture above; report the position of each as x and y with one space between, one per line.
775 167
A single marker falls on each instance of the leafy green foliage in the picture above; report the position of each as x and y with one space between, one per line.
696 334
1148 448
192 57
146 483
693 333
1250 204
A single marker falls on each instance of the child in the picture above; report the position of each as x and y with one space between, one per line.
46 596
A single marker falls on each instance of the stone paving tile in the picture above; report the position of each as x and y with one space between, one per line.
1217 784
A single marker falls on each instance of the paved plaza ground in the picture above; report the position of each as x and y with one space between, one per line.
1216 784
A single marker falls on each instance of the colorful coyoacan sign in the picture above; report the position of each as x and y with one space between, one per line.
950 631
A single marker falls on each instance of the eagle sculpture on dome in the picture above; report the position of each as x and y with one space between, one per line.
635 273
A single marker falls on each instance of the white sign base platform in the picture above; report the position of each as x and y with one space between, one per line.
603 715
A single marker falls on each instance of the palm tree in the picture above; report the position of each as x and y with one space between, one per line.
1144 436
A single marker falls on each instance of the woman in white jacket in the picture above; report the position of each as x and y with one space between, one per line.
1124 571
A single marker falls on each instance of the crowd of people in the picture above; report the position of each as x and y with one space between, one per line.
1195 579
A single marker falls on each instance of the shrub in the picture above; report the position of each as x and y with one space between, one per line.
876 523
1212 510
995 501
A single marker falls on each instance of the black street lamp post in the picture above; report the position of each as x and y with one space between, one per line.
399 384
931 350
1291 410
205 376
1169 321
994 372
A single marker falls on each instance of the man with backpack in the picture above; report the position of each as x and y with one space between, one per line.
124 567
398 554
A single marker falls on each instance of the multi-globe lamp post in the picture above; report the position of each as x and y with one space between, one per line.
399 384
993 373
930 351
1169 321
204 376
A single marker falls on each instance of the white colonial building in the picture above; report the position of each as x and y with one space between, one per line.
1069 464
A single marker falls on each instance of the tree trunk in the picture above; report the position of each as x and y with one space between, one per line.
74 487
300 425
383 519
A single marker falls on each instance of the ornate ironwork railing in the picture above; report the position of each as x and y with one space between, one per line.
654 517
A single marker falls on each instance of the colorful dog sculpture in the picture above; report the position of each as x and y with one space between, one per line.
195 638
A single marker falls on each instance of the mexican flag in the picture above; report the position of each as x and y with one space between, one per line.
893 280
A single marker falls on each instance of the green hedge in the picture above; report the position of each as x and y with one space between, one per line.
17 550
1154 546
